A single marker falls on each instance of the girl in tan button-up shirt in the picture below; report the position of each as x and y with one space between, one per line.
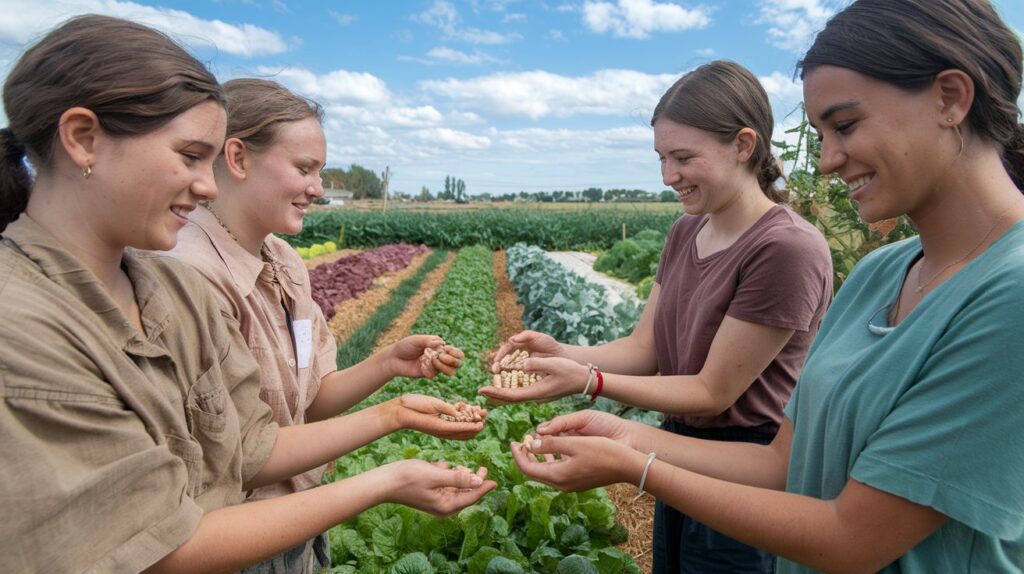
130 415
267 176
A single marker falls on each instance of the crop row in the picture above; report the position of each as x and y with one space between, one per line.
349 276
522 526
589 229
634 259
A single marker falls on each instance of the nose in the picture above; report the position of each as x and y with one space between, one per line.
832 156
205 186
316 189
669 176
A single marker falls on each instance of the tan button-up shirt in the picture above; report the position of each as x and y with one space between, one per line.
274 307
114 443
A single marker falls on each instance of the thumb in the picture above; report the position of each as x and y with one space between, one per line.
564 423
462 479
554 445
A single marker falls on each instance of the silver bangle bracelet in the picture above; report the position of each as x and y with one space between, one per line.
643 477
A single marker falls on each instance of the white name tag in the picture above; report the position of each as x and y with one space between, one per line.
303 329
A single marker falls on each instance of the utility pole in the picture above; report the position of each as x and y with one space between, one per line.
384 185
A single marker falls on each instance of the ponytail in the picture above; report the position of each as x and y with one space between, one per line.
1013 156
15 181
770 172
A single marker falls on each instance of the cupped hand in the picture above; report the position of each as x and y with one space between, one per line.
590 422
537 344
423 356
562 377
435 487
575 463
422 413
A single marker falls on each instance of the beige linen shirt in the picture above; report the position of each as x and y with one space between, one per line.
284 328
115 443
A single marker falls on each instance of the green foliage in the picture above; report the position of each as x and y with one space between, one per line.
510 527
303 252
633 259
585 230
564 305
825 201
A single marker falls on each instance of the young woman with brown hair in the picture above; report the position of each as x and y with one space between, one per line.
267 176
131 419
741 288
900 449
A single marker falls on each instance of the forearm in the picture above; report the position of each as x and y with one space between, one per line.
800 528
231 538
627 355
302 447
678 395
341 390
740 462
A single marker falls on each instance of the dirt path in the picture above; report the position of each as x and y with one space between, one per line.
352 313
401 326
510 313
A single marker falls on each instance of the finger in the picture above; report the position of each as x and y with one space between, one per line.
448 359
482 472
445 408
564 423
455 352
556 445
531 393
440 464
444 367
461 479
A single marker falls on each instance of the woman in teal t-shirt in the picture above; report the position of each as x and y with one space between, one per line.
901 449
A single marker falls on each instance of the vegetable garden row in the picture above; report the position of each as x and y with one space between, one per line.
523 526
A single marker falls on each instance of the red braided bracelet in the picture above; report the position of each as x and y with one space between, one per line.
600 385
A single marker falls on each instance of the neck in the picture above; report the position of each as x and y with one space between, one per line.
971 209
741 211
238 225
62 209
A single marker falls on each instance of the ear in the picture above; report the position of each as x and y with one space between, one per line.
956 94
78 131
236 158
745 142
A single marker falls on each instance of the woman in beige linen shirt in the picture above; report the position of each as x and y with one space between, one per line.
267 176
130 416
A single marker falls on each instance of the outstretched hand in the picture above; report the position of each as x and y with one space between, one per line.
422 413
562 377
435 487
537 344
422 356
575 463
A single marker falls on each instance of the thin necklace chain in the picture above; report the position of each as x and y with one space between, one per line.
265 253
921 286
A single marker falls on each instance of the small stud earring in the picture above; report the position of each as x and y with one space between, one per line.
87 171
949 120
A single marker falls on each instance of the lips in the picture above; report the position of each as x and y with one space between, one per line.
684 192
182 211
859 182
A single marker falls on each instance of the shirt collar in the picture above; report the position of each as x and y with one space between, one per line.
60 266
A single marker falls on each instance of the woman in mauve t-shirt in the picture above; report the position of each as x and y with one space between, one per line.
740 291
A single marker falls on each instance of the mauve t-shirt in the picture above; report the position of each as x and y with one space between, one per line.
778 273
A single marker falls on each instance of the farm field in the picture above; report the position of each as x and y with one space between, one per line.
474 297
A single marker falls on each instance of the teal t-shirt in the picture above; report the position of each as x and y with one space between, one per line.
931 410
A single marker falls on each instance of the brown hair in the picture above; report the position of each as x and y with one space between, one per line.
132 77
256 108
908 43
723 97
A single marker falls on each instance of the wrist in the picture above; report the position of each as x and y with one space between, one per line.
392 412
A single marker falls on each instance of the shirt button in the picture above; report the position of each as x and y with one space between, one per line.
291 363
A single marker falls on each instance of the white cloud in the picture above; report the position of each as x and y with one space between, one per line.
792 24
457 57
548 140
343 19
639 18
451 139
539 94
445 17
337 87
513 17
706 52
25 20
783 90
557 35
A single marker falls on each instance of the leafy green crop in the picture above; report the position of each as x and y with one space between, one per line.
634 259
587 229
522 526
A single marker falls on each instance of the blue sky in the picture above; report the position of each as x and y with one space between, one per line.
507 95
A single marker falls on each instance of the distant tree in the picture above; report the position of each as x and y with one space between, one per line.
668 196
425 194
449 191
593 194
363 183
460 191
334 177
483 197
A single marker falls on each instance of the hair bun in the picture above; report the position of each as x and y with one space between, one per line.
1016 142
13 150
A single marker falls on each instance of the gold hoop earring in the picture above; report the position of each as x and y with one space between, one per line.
87 171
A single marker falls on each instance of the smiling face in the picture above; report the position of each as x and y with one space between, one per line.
705 173
150 183
886 143
284 178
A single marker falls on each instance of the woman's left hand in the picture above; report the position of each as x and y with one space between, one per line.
575 463
423 414
423 356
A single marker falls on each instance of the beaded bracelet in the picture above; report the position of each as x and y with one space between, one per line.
590 377
643 477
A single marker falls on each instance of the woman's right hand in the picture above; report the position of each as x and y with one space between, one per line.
537 344
435 487
590 422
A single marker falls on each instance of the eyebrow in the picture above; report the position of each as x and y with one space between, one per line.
836 108
672 151
203 144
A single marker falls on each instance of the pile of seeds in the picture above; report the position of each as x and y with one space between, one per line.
467 414
512 375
